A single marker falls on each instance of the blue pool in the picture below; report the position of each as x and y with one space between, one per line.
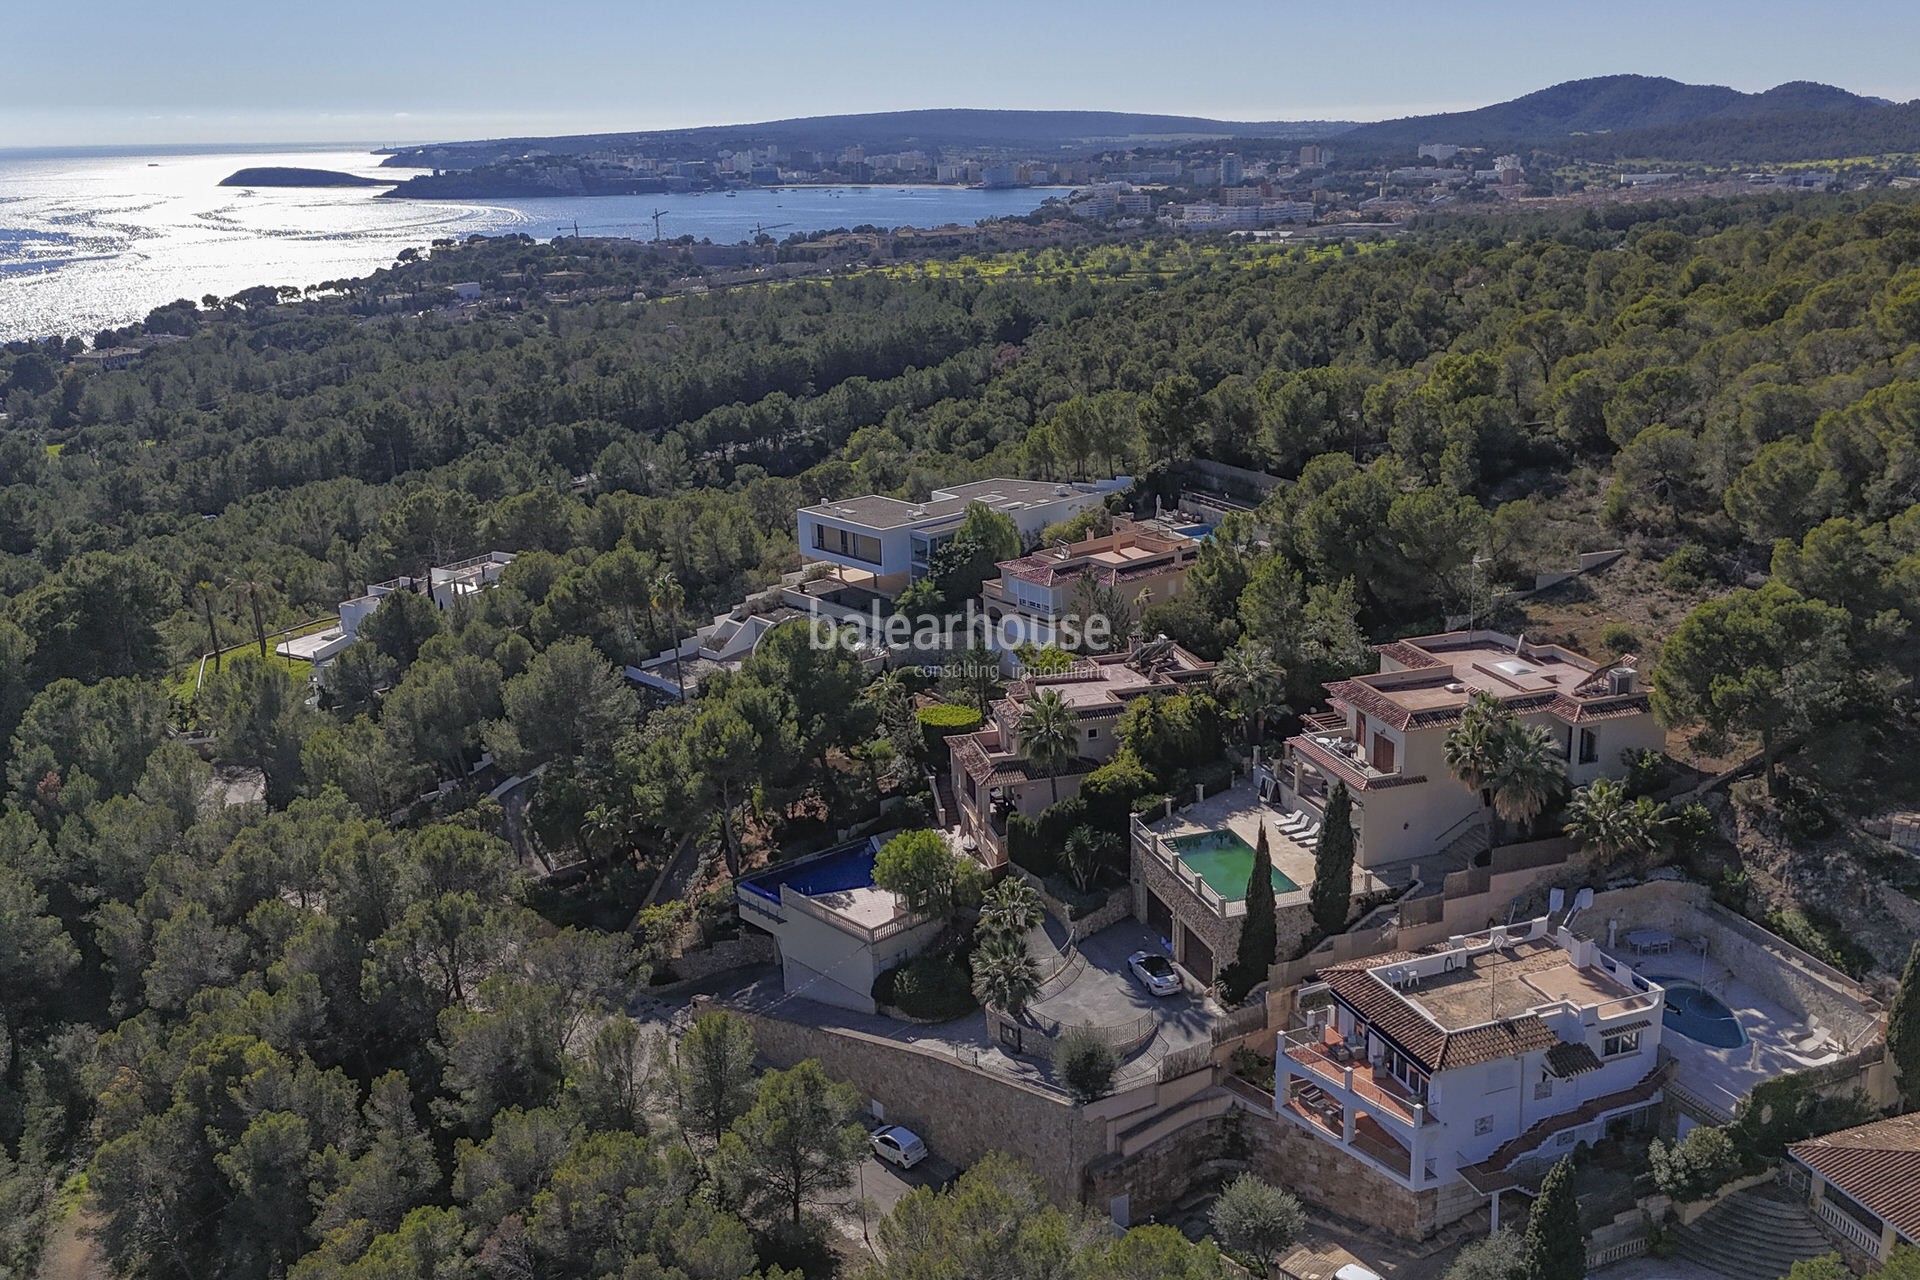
1198 532
835 871
1700 1016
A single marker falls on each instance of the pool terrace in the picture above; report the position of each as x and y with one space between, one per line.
835 886
1795 1013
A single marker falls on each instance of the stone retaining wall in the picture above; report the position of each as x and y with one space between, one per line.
962 1111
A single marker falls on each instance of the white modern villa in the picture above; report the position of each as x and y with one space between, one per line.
1385 736
883 543
1472 1059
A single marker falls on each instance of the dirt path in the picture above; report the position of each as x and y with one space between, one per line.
72 1253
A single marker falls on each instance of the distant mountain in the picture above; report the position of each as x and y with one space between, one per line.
1605 104
1060 134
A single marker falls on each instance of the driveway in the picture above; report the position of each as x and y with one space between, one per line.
1105 992
877 1187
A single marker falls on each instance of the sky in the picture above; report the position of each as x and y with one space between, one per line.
115 72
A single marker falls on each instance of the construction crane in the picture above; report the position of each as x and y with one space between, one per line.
656 215
761 228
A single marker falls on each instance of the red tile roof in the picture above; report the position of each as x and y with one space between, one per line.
1393 1017
1877 1164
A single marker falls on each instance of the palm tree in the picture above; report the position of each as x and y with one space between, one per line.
887 692
1472 751
668 597
206 593
1010 909
1528 774
1249 679
249 591
1049 735
1611 826
1004 974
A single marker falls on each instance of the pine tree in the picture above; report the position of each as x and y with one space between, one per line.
1903 1032
1259 936
1555 1249
1333 863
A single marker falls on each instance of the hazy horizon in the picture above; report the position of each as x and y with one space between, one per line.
221 72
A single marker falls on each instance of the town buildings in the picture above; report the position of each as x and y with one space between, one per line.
1473 1058
1385 736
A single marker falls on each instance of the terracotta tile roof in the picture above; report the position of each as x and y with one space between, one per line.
1877 1164
1393 1017
1569 1060
1409 656
1384 708
1641 1025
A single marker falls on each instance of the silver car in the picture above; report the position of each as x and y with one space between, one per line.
1155 972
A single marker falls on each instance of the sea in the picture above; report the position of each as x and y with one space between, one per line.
93 239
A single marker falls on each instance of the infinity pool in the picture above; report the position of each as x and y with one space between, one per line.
1225 862
1700 1016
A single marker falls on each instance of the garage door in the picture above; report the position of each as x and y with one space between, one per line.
1194 955
1159 916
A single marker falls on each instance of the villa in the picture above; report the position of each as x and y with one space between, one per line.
1035 591
883 543
1863 1184
1386 734
445 585
991 775
835 929
1469 1060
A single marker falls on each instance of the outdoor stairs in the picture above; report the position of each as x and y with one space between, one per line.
1493 1172
1756 1234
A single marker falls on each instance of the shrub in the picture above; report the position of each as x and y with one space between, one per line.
1618 638
1695 1166
1257 1220
1690 566
941 720
1498 1257
931 986
1086 1064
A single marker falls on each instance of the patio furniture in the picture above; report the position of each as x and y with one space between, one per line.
1650 941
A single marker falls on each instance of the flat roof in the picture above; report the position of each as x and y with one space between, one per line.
877 511
1509 982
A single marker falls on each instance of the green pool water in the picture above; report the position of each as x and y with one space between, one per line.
1225 862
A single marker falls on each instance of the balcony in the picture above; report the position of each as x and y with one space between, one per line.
1337 754
1322 1114
1315 1050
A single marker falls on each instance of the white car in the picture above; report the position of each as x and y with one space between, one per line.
1155 972
898 1146
1354 1271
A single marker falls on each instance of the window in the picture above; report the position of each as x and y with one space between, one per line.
1382 752
1589 747
1620 1042
1543 1090
1092 734
1483 1126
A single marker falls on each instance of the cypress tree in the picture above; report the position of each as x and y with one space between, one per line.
1333 863
1259 936
1555 1249
1903 1032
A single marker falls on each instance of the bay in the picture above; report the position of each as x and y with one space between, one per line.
91 239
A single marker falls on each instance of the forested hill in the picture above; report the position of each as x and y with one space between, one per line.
1670 117
1041 133
291 1037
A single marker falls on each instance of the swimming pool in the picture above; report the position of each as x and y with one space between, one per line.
1225 862
836 871
1700 1016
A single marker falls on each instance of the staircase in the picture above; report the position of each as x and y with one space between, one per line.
1494 1173
1752 1235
